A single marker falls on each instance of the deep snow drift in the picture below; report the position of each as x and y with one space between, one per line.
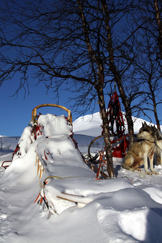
124 209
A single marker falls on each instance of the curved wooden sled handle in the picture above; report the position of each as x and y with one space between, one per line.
34 111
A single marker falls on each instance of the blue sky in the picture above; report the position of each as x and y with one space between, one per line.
16 112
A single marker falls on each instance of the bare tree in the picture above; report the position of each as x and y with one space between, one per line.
148 59
79 43
147 16
149 72
99 81
61 44
111 62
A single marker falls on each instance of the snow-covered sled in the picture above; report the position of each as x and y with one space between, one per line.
66 181
59 161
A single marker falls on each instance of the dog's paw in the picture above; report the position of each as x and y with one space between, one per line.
138 169
155 173
149 172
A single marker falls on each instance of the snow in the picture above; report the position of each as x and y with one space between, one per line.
123 209
90 125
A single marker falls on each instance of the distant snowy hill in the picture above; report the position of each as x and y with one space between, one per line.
90 125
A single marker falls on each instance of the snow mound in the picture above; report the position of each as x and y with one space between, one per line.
124 209
54 125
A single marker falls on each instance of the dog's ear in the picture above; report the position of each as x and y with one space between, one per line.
141 129
145 126
154 129
158 134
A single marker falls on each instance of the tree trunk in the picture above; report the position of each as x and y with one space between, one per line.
116 73
108 148
154 102
130 125
156 115
157 15
125 102
157 120
99 87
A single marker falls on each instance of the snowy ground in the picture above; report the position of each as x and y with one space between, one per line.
124 209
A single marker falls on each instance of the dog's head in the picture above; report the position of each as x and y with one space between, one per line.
151 130
145 128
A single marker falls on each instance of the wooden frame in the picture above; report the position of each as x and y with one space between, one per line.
34 111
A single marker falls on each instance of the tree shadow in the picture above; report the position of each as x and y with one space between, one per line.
154 225
116 170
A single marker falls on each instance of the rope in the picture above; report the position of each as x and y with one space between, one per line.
127 179
158 146
143 139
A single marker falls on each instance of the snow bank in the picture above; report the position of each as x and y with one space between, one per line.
118 210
